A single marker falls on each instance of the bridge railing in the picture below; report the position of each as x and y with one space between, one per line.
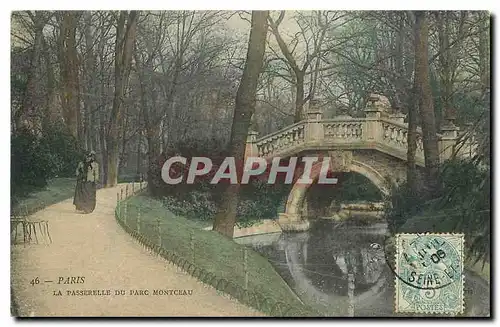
378 130
345 129
290 136
395 134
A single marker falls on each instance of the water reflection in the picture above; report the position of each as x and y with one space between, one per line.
324 263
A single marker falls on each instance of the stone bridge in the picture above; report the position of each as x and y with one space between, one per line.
374 146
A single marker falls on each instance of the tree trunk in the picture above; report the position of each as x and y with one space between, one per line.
151 124
123 153
125 39
52 113
243 110
298 74
101 105
411 167
90 84
484 55
426 105
69 74
139 157
31 99
154 170
299 98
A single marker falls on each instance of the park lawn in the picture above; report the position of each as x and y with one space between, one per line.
213 252
128 178
57 190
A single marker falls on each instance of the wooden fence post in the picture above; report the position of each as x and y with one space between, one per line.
350 295
125 213
192 245
121 194
139 220
159 231
245 266
118 204
126 190
133 188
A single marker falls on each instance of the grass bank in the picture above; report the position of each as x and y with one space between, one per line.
57 190
210 257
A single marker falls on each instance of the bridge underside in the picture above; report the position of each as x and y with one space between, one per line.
382 170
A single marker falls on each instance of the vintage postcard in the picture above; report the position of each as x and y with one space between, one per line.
316 163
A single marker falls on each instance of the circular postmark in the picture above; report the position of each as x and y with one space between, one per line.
428 262
429 271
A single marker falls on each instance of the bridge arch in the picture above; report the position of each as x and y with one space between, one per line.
292 218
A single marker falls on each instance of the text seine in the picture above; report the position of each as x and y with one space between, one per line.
254 166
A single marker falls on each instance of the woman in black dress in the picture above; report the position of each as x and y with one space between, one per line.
87 176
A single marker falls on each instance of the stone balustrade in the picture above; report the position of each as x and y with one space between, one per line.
395 135
289 137
344 129
386 133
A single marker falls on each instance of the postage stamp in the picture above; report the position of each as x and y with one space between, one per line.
429 273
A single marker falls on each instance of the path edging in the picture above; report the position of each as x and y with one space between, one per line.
252 299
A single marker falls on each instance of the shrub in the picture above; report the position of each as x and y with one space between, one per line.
38 158
462 205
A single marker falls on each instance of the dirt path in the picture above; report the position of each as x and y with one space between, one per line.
95 247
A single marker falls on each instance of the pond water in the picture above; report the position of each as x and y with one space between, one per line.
340 269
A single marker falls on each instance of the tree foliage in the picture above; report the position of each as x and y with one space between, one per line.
38 158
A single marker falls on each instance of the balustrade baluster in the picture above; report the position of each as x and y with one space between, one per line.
392 134
398 137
